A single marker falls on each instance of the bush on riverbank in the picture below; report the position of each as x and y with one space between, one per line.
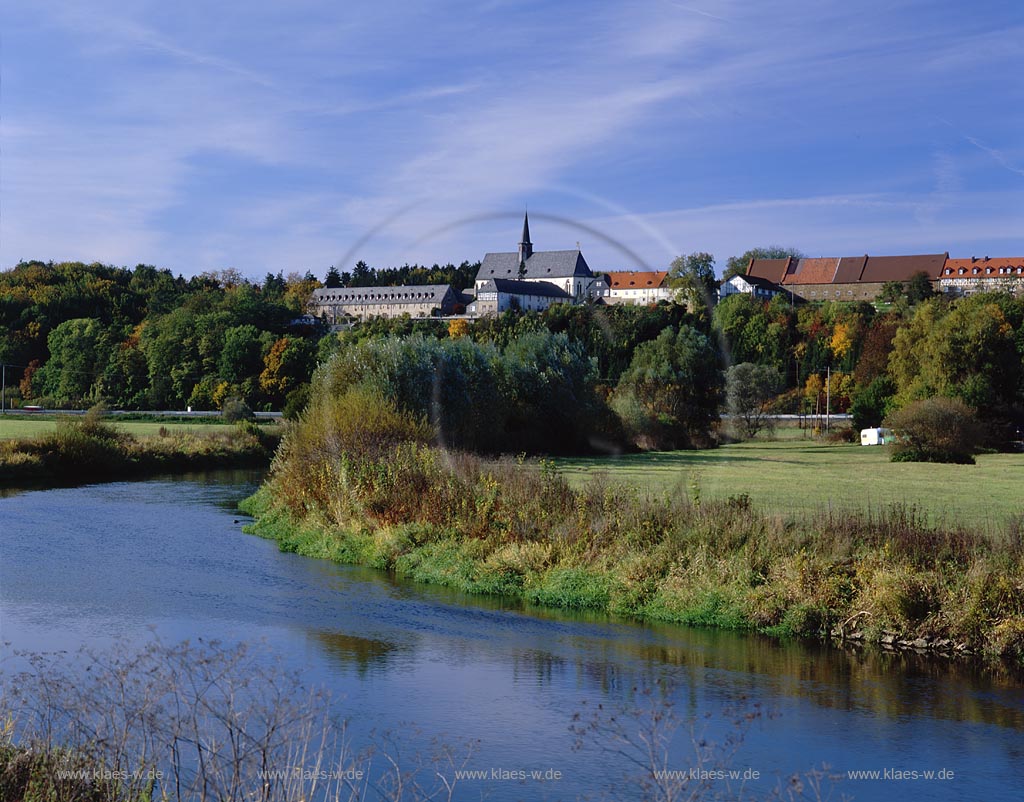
376 493
86 448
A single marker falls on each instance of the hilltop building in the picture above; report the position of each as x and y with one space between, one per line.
848 278
968 276
337 304
760 288
566 271
636 287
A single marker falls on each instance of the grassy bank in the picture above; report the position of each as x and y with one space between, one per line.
376 494
88 449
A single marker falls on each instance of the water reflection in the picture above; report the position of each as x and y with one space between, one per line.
366 654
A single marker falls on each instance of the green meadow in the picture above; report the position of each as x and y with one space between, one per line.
19 428
799 476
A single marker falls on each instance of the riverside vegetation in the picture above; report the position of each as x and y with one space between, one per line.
87 448
361 478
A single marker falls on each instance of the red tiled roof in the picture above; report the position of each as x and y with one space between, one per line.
848 269
1000 267
811 271
637 279
902 268
771 269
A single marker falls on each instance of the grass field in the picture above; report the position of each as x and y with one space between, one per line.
801 476
16 428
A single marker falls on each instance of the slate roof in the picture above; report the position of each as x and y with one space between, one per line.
636 279
415 294
541 265
515 287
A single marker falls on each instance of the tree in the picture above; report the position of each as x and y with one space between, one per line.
333 278
286 366
891 292
241 355
692 277
79 350
935 430
737 265
920 287
669 395
362 275
749 390
871 404
970 350
458 328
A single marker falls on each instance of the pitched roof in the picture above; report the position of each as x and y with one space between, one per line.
1001 266
636 279
514 287
541 265
902 268
413 294
811 271
850 269
771 269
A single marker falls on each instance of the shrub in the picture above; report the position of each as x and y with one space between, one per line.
935 430
295 402
235 409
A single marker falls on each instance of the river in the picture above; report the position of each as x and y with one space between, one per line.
109 564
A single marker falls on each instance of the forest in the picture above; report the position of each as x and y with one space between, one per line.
73 334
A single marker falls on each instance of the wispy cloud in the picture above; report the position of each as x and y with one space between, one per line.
998 155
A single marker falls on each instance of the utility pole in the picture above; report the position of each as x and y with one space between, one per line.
3 390
828 396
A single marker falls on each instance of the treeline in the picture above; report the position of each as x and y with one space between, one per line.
78 334
876 362
362 275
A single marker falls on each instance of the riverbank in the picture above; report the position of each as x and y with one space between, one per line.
89 449
520 530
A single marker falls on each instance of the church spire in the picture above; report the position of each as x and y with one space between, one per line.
525 246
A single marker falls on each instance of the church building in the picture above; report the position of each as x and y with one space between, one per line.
567 272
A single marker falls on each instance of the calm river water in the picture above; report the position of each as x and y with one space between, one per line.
106 564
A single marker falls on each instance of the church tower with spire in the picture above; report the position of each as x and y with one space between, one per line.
525 247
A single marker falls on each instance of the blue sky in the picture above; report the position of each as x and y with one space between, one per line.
294 136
